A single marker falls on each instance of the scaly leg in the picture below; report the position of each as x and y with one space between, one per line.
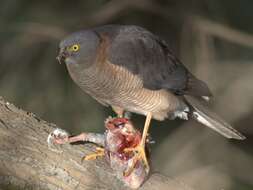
91 137
61 137
139 150
67 139
95 138
119 111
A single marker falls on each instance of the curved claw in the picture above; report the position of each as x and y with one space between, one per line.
140 155
99 153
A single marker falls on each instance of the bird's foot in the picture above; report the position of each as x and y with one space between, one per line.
100 152
139 155
58 136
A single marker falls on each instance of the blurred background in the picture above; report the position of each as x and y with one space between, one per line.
214 39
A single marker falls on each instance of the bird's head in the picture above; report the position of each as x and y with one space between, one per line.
79 48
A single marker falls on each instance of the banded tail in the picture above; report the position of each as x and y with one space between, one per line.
203 115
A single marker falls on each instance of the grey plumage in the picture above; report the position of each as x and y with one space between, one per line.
130 68
149 57
210 119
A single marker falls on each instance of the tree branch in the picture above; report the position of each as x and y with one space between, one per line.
27 162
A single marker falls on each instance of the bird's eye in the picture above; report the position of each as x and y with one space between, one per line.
75 47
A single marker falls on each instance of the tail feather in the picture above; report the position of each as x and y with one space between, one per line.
203 115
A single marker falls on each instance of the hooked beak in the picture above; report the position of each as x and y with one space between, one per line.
62 56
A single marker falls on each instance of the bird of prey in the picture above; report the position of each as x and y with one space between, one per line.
130 69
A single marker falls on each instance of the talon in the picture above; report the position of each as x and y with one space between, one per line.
140 155
98 153
128 171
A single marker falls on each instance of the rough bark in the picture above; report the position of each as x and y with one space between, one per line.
26 162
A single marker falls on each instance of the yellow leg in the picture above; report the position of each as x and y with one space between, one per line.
140 149
146 128
99 153
119 111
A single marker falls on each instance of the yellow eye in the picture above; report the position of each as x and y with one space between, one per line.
75 47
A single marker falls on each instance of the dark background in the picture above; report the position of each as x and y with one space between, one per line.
214 40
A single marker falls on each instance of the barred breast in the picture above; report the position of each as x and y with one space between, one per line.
113 85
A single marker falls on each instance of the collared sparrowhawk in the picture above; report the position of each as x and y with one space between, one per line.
130 69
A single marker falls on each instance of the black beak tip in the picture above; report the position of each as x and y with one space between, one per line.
59 58
62 55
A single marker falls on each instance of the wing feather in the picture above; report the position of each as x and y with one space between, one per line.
144 54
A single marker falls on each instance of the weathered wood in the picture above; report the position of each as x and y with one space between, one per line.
26 162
